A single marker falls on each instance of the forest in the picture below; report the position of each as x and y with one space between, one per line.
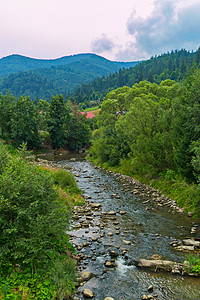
175 66
40 79
152 131
47 125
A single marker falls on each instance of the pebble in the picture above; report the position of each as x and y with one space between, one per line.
88 293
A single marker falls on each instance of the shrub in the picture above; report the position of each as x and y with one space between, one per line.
32 220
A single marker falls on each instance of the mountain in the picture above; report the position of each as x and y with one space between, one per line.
41 78
175 66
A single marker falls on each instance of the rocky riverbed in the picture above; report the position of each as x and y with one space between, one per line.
122 223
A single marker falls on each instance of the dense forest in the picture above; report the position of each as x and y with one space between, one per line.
152 130
175 66
48 124
40 79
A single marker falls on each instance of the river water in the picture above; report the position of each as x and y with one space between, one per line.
149 231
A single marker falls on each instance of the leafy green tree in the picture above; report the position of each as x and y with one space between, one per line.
25 123
198 56
58 118
7 104
187 124
79 132
43 108
142 133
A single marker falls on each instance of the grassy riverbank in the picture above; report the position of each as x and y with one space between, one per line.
170 184
35 253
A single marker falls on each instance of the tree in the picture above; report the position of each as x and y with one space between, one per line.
198 56
79 132
25 123
7 104
58 118
187 124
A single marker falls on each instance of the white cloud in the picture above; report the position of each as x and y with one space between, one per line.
167 28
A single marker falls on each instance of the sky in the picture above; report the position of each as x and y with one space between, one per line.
126 30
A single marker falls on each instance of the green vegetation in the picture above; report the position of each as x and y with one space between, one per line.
175 66
39 78
35 202
46 125
151 132
193 262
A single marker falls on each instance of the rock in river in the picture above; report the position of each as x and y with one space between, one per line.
88 293
86 275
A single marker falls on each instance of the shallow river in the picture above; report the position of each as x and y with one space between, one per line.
149 231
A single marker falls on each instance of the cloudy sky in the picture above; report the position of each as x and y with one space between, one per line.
123 30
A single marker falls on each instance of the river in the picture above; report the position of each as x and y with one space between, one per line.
149 232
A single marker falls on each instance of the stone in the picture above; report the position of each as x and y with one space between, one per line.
190 214
113 253
109 264
191 242
126 242
111 213
85 276
150 289
95 205
122 212
185 248
109 234
88 293
109 298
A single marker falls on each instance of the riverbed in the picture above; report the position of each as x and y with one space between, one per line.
134 231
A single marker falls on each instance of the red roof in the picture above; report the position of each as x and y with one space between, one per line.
89 115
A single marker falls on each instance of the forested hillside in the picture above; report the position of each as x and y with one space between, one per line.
44 78
175 66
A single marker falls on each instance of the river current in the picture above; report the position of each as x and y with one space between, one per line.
148 231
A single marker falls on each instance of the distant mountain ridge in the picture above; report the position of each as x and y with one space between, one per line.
19 63
45 77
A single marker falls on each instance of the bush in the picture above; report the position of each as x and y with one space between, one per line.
65 180
34 248
31 218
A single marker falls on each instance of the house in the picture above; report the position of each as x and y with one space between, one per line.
88 114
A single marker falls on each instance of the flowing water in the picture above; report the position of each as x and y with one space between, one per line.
149 231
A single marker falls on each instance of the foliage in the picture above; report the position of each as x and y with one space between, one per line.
193 264
152 131
187 125
58 117
53 124
25 123
175 66
33 221
45 78
135 123
66 181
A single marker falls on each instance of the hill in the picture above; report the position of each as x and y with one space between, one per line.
41 78
175 65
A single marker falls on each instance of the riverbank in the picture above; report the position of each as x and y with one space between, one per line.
36 258
185 196
120 218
